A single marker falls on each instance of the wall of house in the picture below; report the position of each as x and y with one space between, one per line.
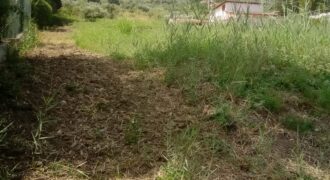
229 10
219 14
244 8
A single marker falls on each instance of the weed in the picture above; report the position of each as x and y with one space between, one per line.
269 100
3 128
133 131
264 144
125 27
182 156
30 38
224 117
219 146
298 124
42 118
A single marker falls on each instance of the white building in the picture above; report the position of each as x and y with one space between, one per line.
232 9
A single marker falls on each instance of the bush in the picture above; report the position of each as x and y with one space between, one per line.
111 9
56 4
73 8
94 11
144 8
90 10
42 12
30 38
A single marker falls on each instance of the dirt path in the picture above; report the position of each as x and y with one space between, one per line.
108 120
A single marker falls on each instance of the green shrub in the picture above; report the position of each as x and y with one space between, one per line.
297 124
30 38
42 12
56 4
144 8
94 11
111 9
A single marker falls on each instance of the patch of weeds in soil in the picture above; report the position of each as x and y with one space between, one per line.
298 124
225 117
300 166
133 131
184 156
264 143
257 163
61 169
219 146
72 87
43 118
181 153
267 99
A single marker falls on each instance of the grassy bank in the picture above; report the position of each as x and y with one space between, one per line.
257 62
248 59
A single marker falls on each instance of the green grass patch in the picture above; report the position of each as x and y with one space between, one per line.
298 124
118 38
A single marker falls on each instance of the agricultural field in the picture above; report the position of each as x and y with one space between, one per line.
123 94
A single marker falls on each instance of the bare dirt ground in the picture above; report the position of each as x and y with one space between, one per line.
105 119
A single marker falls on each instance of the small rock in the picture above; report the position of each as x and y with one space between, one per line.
63 103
